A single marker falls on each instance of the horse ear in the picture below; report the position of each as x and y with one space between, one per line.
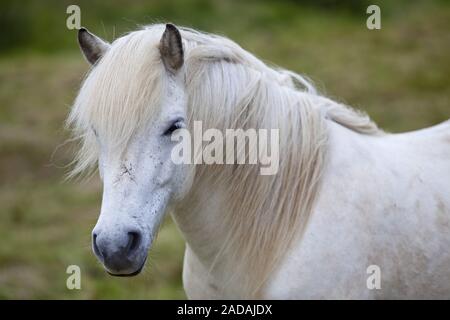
171 48
93 47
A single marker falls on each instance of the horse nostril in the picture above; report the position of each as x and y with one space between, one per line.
134 239
95 246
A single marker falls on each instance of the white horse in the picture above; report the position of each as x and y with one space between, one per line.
347 198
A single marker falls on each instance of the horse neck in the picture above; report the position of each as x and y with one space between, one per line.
200 217
239 223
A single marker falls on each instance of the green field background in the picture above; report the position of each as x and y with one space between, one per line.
400 75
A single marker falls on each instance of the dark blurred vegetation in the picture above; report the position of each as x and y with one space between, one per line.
400 75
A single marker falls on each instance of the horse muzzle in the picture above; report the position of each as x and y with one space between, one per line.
121 253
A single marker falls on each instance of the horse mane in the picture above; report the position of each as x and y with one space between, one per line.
228 88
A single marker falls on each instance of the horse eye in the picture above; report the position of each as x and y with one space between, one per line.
174 126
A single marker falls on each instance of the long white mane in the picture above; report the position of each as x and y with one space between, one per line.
227 88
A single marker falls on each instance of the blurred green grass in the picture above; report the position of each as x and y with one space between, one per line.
400 75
